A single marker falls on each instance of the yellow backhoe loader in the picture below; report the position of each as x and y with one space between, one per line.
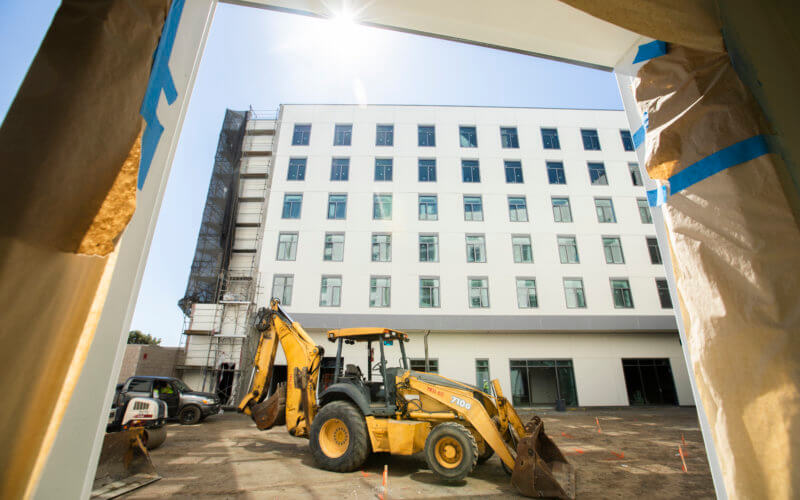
395 409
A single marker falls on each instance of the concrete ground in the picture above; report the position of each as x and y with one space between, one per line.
634 455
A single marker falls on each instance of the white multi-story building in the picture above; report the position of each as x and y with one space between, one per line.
520 238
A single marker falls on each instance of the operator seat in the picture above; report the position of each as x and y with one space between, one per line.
353 371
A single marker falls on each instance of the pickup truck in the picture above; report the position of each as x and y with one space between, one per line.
188 406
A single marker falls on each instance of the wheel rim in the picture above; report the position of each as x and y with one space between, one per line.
334 438
449 452
189 415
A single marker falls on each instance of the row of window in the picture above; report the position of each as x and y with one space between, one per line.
428 208
470 171
380 287
428 246
467 136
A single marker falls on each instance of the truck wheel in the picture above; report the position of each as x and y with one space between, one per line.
189 415
451 451
155 437
338 437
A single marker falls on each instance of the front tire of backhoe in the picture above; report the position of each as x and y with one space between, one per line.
338 437
451 451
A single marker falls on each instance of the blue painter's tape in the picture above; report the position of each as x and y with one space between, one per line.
651 50
657 197
160 79
638 136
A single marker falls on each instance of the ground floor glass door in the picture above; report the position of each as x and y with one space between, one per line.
649 381
543 382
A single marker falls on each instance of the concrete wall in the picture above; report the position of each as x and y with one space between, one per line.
140 359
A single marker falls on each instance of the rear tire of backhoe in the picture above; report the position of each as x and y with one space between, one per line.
338 437
451 451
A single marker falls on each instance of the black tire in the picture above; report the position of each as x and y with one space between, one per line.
189 415
355 437
465 457
488 453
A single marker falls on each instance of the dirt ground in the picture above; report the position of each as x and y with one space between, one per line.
634 455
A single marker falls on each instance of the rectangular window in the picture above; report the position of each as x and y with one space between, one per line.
573 291
513 172
383 169
621 290
476 248
380 291
418 365
555 172
287 246
627 140
478 292
482 379
568 250
508 137
597 174
427 170
384 135
282 285
655 252
526 293
562 212
663 293
382 207
337 206
381 248
542 382
426 135
429 292
468 137
340 169
342 134
334 247
636 175
612 247
550 139
517 209
330 292
428 207
297 169
292 206
591 142
522 249
470 171
605 210
301 135
473 208
429 248
644 211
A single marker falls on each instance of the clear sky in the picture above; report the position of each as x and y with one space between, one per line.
262 59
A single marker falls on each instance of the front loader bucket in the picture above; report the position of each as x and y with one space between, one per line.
124 465
271 411
541 469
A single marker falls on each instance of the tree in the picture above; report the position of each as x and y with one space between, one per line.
138 337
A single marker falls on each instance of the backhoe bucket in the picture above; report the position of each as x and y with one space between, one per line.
271 411
541 470
124 465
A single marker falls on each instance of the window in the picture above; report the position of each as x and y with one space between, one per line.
573 291
590 140
644 211
140 385
526 293
478 292
663 293
340 169
513 172
337 206
470 171
522 249
380 290
297 169
334 247
562 212
613 250
428 207
330 292
426 135
476 248
383 169
649 381
384 135
301 135
597 174
292 205
429 248
287 246
382 207
381 248
636 175
568 250
282 288
473 208
627 140
427 170
550 138
508 137
621 290
605 210
482 379
429 292
517 209
655 252
342 135
555 172
542 382
468 136
418 365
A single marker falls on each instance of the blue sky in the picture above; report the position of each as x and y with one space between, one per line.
263 59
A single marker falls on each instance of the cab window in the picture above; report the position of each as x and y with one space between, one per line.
140 385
